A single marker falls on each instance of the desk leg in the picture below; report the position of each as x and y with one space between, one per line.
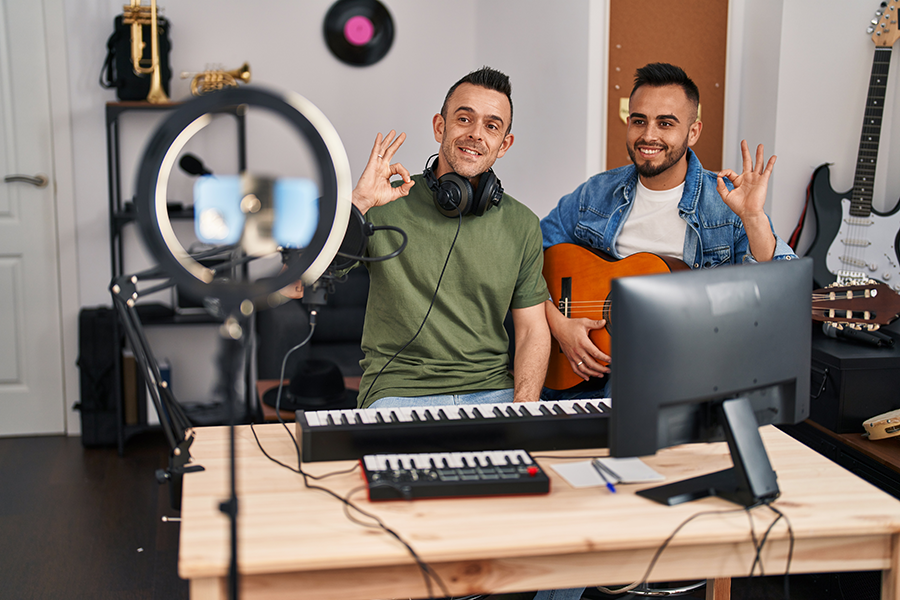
718 589
890 578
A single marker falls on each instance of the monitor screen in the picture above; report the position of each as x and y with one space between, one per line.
684 343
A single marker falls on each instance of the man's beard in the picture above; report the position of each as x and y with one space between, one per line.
460 167
672 156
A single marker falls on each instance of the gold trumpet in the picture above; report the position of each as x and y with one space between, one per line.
137 16
212 80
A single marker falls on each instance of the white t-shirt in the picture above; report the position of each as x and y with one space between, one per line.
653 224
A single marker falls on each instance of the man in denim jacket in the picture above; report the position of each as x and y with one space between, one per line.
665 203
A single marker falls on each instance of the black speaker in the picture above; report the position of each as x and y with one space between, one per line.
454 196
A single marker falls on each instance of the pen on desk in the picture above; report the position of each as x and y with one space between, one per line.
609 471
599 468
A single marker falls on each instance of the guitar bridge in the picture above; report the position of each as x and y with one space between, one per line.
565 297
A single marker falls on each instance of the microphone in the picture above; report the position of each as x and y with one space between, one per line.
870 338
193 165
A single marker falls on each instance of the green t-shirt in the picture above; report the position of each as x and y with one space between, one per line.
495 265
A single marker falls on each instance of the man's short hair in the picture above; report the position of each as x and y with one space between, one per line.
660 74
485 77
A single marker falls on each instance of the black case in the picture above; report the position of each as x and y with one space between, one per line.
96 360
851 383
118 71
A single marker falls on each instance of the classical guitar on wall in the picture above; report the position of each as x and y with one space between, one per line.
853 241
580 282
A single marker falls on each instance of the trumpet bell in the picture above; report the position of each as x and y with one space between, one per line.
214 80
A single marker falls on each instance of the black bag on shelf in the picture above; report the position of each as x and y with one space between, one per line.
118 71
96 360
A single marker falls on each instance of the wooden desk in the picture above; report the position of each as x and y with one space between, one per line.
297 543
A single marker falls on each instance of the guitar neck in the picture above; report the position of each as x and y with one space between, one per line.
864 179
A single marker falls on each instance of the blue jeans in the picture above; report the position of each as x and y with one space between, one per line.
488 397
566 594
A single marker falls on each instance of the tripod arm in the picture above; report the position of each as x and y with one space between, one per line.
174 422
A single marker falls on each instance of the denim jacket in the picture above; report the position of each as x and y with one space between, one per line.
594 213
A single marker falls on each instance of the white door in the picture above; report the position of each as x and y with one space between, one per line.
31 364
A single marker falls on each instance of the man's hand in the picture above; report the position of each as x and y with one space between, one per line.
748 198
293 291
374 186
586 359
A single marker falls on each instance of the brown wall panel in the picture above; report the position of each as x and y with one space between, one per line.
689 33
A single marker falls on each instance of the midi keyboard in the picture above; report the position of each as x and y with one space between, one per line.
531 426
453 474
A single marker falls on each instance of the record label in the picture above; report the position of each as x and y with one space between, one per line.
359 32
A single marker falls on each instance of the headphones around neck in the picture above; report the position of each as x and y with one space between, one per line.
453 194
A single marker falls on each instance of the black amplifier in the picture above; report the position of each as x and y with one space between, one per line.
851 382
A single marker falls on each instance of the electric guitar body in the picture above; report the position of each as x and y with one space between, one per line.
580 281
875 255
827 205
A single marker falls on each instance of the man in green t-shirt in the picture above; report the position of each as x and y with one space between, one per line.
434 332
434 329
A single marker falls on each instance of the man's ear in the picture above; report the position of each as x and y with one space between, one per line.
507 142
437 123
694 133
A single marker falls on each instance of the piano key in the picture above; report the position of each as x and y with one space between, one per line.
367 415
392 462
456 460
420 461
371 462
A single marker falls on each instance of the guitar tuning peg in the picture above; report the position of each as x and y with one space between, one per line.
870 29
874 21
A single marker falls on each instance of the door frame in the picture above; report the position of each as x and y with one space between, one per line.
63 180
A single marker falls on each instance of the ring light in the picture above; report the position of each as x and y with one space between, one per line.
160 158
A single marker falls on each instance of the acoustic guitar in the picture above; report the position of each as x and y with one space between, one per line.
580 281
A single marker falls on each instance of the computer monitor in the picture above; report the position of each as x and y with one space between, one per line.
707 355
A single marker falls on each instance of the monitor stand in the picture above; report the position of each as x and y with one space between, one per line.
750 481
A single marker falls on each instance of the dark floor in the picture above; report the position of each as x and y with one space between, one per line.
86 523
78 523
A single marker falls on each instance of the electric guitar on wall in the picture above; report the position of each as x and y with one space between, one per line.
853 241
580 281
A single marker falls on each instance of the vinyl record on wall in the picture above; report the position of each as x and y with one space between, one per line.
359 32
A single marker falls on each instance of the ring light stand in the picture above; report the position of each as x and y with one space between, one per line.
237 299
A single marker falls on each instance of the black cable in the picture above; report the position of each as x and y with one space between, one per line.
294 469
664 545
428 312
787 567
756 544
374 259
759 547
428 572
